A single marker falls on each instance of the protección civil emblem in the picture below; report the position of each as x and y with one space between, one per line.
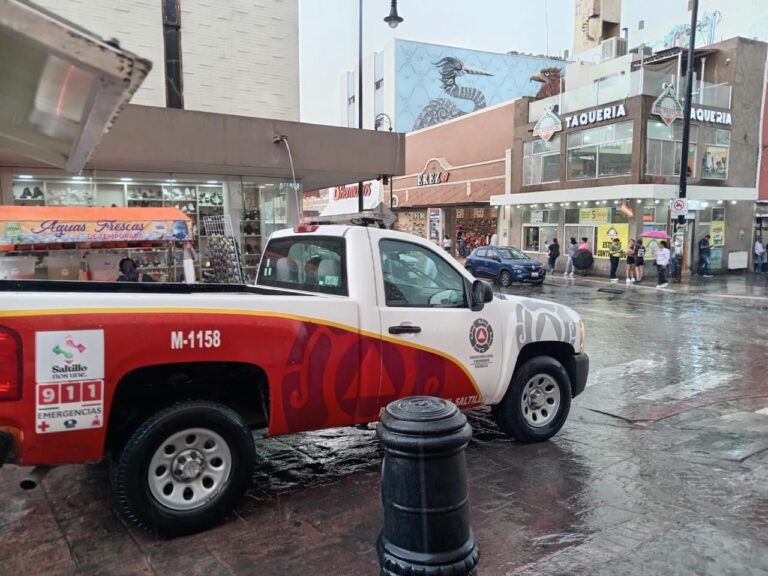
481 335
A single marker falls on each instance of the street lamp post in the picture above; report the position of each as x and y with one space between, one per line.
687 132
376 125
393 20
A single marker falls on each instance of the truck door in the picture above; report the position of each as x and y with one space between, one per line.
432 342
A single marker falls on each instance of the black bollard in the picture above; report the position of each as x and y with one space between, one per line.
424 490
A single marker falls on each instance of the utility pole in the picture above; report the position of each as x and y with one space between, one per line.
360 98
682 193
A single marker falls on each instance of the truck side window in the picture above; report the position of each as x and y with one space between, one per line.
415 276
308 263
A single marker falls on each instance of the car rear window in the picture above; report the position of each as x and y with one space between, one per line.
308 263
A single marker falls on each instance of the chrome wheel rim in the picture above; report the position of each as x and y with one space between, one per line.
540 401
189 469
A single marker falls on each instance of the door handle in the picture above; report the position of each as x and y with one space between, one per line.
404 329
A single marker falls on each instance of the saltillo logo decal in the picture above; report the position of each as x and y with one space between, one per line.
481 335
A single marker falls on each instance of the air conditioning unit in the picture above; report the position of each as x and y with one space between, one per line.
613 48
642 49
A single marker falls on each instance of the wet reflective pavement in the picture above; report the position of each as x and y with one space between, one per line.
662 468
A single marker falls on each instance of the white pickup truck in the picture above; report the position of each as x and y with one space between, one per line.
168 381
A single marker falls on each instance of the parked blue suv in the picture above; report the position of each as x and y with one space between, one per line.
505 265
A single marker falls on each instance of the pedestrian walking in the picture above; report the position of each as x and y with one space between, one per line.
447 244
639 261
554 253
759 255
631 262
584 245
662 261
704 252
614 253
495 239
569 267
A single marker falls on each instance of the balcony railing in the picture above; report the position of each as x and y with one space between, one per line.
645 82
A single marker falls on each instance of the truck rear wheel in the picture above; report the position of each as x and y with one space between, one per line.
537 401
184 468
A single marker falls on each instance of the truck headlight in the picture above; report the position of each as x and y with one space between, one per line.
583 334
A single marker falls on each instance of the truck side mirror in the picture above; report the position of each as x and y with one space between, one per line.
481 293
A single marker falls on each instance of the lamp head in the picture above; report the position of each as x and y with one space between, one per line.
393 20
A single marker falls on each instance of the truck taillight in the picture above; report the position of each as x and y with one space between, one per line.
10 366
305 228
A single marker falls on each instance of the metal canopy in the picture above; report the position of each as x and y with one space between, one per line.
62 86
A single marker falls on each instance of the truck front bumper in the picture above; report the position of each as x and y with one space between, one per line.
6 446
580 372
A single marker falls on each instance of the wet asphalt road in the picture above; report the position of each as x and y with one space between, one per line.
662 468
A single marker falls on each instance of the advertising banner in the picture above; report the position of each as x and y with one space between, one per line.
605 235
594 215
718 234
57 231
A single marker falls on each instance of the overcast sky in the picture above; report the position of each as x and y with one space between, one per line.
328 35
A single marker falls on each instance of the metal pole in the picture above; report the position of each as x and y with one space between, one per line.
360 97
687 122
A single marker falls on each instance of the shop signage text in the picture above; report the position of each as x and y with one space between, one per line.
429 178
54 231
599 115
548 125
344 192
714 116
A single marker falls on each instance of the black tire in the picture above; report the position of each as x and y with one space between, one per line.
505 278
509 414
130 474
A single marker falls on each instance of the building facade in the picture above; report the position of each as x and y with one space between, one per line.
237 57
419 85
612 168
452 170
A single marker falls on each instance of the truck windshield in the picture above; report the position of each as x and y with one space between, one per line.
308 263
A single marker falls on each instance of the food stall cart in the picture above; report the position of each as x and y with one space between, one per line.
87 243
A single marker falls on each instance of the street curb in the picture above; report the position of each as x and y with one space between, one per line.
654 289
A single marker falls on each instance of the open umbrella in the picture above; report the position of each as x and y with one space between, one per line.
655 234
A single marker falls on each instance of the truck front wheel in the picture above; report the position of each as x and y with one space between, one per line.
184 468
537 401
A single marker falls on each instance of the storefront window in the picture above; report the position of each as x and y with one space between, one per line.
714 163
602 152
664 150
541 161
539 228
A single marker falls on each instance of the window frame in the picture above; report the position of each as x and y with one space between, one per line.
341 290
534 159
436 255
542 249
606 129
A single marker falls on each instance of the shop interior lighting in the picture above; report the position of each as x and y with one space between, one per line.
706 204
719 201
656 201
25 177
639 200
615 201
62 86
78 178
126 179
213 181
733 201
